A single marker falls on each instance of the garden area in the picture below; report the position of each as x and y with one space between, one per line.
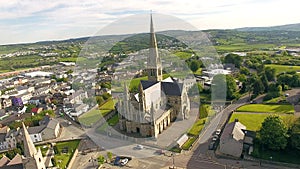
64 151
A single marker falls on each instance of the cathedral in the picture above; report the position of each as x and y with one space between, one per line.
159 101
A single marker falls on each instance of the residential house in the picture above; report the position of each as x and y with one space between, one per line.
7 138
36 133
77 97
5 101
52 130
46 131
15 163
36 110
232 139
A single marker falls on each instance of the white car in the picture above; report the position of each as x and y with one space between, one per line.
218 132
124 161
139 147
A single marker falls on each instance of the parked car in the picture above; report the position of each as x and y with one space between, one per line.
124 161
139 147
117 161
211 146
160 152
218 132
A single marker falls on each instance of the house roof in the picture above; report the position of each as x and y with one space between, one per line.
4 160
234 130
2 137
36 129
16 160
52 124
34 110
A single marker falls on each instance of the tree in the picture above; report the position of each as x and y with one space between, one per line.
258 86
295 134
194 65
101 159
234 59
109 155
264 81
231 87
270 73
273 133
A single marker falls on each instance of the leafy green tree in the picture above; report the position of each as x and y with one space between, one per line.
234 59
29 108
231 87
109 155
273 133
270 73
204 111
295 134
258 86
194 66
101 159
264 81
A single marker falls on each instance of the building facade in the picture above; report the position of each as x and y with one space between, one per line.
157 104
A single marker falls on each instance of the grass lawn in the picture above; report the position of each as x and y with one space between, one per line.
198 72
275 100
197 127
110 122
62 159
252 121
44 148
109 105
283 68
188 143
92 116
267 108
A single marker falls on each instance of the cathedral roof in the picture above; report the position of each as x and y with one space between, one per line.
172 89
146 84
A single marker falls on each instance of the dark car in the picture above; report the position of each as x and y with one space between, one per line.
117 161
211 146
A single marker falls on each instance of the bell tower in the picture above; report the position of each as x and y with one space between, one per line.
154 66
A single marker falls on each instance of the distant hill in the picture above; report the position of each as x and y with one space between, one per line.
289 27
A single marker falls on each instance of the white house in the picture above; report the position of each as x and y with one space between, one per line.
232 139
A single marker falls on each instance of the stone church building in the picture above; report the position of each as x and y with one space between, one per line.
159 101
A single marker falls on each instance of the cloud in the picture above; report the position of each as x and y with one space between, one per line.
51 19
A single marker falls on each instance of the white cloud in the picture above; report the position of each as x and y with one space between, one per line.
49 19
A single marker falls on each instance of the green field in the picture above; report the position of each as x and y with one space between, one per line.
183 55
62 159
243 47
252 121
267 108
283 68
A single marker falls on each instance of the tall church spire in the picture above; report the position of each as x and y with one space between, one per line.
154 62
33 157
29 148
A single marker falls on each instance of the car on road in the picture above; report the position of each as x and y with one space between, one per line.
215 138
212 145
218 132
286 95
139 147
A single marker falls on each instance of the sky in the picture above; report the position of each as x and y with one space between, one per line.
24 21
